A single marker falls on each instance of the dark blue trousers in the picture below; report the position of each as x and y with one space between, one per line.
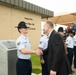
23 67
74 56
44 66
70 55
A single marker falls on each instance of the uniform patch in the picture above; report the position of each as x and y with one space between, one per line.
40 42
18 43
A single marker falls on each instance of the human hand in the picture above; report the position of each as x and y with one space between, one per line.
52 72
66 52
38 52
42 59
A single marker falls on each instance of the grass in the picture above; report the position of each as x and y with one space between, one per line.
36 66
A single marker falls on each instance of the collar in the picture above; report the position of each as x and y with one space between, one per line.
70 36
23 36
49 34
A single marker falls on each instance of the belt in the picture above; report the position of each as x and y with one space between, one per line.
24 59
69 48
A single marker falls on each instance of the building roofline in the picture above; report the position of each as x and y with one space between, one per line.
20 4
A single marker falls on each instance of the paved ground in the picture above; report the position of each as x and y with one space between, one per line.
75 71
36 74
70 74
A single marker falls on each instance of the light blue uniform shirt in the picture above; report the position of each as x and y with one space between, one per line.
74 39
43 43
23 42
69 42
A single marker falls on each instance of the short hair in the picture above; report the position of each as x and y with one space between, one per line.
50 23
60 29
18 30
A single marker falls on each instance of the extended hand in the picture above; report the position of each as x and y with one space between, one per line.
38 52
52 72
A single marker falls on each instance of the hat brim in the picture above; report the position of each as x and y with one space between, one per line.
70 32
21 27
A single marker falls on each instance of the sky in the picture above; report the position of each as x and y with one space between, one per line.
58 6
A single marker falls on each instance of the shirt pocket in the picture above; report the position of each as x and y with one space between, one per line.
27 44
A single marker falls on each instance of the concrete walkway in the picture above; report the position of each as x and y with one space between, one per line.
70 74
36 74
40 74
75 71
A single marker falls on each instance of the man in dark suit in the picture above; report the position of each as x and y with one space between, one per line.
57 60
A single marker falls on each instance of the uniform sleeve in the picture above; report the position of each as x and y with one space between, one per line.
74 40
41 43
20 45
67 41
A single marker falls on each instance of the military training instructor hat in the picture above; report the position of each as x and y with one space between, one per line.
22 24
70 31
60 29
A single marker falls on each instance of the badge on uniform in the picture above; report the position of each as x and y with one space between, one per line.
40 42
18 43
25 42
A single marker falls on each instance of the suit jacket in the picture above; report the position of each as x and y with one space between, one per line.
56 56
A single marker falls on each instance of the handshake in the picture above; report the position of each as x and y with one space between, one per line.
39 52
